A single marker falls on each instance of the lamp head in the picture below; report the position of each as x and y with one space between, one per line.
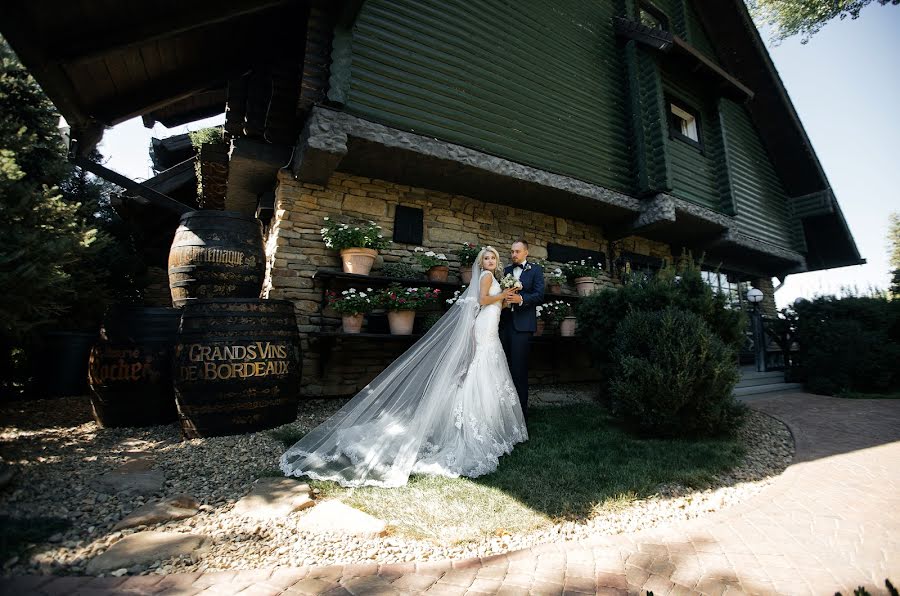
754 296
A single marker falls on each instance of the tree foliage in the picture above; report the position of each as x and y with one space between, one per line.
804 17
894 256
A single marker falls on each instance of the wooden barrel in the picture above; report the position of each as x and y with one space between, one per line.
216 254
130 369
237 366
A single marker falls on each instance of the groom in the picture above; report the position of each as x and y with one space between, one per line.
519 322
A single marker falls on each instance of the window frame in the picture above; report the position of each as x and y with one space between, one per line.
675 126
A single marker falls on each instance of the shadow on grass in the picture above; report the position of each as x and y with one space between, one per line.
577 459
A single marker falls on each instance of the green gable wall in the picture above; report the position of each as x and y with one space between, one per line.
535 82
695 172
761 204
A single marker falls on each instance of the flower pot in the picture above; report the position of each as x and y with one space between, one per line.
567 327
540 327
352 323
465 274
358 260
401 321
554 289
584 285
438 273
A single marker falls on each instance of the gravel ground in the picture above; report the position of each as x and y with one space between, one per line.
59 450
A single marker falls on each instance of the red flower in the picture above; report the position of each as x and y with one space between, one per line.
437 291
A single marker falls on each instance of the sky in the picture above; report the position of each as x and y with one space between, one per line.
845 86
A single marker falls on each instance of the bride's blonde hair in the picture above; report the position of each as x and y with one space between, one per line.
496 272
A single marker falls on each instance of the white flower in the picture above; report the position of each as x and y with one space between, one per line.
450 300
345 292
352 290
381 235
369 290
441 256
430 253
362 294
325 218
418 249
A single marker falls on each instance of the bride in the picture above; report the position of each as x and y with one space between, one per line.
447 406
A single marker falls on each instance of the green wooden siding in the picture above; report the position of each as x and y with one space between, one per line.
535 82
650 131
695 172
761 204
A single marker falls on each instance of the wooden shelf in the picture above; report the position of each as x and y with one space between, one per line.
376 280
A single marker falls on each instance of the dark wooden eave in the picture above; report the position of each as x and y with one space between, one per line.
102 63
668 43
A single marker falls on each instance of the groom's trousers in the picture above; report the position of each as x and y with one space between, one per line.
517 344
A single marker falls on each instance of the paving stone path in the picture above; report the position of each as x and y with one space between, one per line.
830 523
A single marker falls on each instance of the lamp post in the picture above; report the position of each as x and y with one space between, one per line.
755 297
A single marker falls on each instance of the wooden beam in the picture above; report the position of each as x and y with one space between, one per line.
156 198
117 36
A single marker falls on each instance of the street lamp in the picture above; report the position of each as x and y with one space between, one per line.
754 297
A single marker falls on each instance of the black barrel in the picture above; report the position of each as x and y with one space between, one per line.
130 370
237 366
216 254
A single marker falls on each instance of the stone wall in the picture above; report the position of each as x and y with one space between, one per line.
295 251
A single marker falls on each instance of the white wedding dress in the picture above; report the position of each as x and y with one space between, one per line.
446 407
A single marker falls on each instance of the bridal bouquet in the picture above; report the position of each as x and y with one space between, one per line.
509 281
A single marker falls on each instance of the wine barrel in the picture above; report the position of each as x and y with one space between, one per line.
237 366
130 370
216 254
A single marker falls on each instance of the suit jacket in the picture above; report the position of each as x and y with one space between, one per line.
523 317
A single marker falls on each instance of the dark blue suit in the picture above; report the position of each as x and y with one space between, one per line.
518 324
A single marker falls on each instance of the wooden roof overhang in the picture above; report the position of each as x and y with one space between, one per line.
102 62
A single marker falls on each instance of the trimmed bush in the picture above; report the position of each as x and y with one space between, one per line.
849 344
679 286
673 376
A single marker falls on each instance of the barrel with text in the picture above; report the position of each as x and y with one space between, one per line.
236 366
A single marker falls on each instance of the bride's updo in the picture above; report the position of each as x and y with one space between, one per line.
499 270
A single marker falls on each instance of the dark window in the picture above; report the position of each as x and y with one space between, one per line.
684 123
408 225
652 17
564 254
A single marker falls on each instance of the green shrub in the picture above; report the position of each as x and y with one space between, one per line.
673 376
680 286
400 270
849 344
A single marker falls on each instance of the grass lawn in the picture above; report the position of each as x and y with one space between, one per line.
576 464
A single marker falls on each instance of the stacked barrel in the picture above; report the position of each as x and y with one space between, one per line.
232 358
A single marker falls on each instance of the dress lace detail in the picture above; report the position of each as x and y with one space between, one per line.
470 422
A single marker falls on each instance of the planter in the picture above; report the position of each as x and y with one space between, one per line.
401 321
555 289
540 327
465 274
438 273
352 323
584 285
358 260
567 327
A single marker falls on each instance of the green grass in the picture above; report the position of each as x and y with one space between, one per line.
576 464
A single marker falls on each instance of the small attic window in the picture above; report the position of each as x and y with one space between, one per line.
684 123
652 17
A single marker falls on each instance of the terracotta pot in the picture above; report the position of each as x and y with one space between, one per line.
438 273
352 323
465 274
358 260
401 321
584 285
554 289
567 327
540 327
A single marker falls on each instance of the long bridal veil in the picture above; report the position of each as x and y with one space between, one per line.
376 437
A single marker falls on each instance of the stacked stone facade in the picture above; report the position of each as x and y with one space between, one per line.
295 252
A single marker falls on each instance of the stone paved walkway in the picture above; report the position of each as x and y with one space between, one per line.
830 523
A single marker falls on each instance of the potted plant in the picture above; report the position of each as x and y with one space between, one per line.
402 304
467 254
555 281
352 306
400 270
559 312
541 323
358 244
582 273
434 264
